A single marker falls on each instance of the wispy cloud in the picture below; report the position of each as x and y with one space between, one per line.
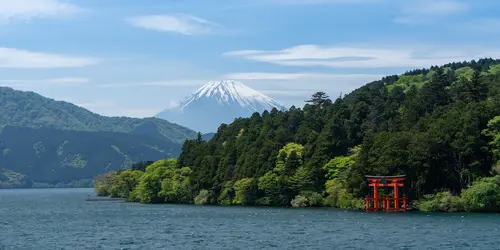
177 23
29 9
364 57
298 76
60 82
17 58
429 11
294 88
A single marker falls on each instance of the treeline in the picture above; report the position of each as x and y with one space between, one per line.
440 127
10 180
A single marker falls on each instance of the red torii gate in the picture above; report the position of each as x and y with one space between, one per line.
386 181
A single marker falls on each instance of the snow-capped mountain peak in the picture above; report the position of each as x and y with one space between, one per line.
231 92
218 102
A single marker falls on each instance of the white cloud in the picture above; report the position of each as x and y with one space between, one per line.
429 11
11 10
177 23
62 82
364 57
17 58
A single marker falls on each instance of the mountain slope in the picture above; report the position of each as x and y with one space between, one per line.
28 109
43 140
218 102
52 156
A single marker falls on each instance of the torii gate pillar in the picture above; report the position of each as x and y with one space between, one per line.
386 181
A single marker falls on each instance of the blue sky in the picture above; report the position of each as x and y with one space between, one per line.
135 58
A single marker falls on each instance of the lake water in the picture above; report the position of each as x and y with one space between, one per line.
62 219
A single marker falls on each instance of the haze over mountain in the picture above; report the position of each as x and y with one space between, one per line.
218 102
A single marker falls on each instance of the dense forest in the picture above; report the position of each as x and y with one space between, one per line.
440 127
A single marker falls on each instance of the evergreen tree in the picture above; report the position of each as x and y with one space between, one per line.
318 99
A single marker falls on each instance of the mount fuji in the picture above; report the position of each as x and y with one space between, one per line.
218 102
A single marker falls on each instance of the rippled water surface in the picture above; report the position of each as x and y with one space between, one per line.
62 219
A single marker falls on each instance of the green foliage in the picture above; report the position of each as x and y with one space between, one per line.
440 202
227 194
271 185
141 165
176 186
340 164
339 197
427 124
483 195
203 198
319 99
151 187
245 191
124 183
494 70
299 201
307 199
464 73
103 183
405 81
493 131
290 153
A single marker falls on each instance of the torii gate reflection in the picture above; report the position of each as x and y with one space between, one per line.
386 181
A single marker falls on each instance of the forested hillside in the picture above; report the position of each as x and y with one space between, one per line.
439 126
28 109
52 156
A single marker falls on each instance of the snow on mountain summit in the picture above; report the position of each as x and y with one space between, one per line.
231 92
218 102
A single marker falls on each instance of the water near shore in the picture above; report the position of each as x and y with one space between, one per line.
62 219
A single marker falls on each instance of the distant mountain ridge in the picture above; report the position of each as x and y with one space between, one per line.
218 102
47 142
29 109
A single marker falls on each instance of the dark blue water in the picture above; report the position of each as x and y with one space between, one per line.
62 219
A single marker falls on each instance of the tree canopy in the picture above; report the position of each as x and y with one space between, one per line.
439 126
